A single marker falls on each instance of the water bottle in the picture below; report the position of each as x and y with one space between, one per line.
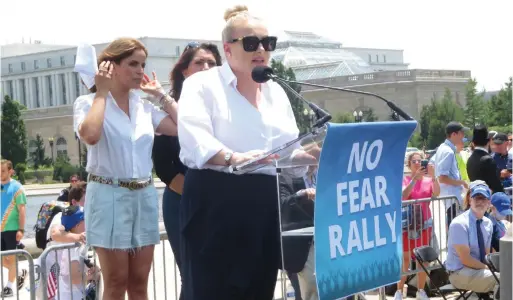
290 293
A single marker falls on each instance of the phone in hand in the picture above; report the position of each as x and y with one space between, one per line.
424 163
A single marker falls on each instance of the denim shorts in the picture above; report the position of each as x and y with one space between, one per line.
118 218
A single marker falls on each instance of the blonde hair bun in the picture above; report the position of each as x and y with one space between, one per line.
232 12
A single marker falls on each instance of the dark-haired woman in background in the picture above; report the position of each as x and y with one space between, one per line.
195 58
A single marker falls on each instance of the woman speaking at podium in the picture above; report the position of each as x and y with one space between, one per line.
230 234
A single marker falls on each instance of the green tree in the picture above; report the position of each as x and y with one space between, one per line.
344 117
62 169
499 108
298 107
38 156
416 141
20 172
475 108
442 112
369 116
425 119
14 135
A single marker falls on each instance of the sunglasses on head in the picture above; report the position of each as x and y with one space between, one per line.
191 45
70 210
250 43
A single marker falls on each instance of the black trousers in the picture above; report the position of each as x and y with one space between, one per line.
230 247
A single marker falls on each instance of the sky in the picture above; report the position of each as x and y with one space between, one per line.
452 34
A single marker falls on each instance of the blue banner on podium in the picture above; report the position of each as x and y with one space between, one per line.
358 238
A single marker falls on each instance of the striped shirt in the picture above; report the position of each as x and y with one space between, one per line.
13 195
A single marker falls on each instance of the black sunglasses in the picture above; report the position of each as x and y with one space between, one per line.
191 45
250 43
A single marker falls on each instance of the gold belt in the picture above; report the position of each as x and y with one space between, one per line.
129 184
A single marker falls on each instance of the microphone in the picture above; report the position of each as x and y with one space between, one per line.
262 74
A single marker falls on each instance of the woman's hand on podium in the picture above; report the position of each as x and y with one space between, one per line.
304 158
239 158
310 193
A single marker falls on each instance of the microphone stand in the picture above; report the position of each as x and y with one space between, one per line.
322 116
390 104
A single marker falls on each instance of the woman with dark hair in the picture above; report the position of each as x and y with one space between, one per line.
195 58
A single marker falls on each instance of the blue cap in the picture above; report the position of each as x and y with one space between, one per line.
502 203
480 189
71 216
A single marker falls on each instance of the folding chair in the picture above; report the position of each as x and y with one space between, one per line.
493 262
426 254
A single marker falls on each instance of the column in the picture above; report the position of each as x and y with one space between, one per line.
71 88
68 89
33 94
28 93
15 94
55 90
43 91
4 89
62 88
21 95
59 95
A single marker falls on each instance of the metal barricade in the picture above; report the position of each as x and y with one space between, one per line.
164 278
50 272
31 270
431 230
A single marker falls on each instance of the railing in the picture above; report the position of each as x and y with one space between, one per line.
392 76
31 271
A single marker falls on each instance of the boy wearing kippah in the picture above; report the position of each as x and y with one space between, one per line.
72 265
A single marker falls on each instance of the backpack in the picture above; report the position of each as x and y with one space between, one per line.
44 218
412 217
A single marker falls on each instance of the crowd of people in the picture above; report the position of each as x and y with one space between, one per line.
480 216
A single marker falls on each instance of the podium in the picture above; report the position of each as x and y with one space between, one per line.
296 168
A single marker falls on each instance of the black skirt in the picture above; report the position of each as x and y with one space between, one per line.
230 246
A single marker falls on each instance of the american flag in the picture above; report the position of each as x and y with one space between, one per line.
52 281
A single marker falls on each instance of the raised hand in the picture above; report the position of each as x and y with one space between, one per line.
152 87
103 78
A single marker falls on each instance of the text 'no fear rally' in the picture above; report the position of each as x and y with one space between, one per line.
362 194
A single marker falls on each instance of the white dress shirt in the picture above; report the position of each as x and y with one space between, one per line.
124 149
213 116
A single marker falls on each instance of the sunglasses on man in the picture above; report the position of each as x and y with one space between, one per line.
250 43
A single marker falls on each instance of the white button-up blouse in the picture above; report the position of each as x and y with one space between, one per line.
124 149
213 116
